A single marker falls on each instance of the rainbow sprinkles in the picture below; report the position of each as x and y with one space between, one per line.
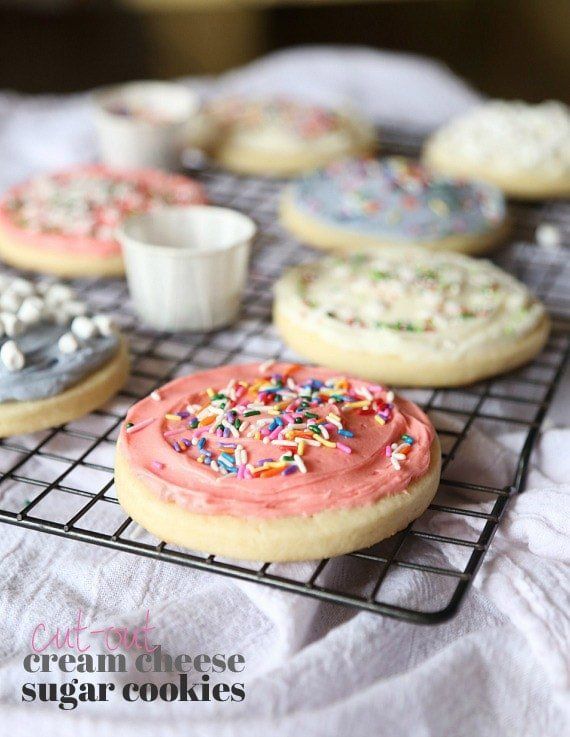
296 420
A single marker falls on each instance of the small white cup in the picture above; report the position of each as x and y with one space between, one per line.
186 266
144 124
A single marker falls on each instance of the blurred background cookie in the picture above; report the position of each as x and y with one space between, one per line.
64 223
283 137
523 149
368 202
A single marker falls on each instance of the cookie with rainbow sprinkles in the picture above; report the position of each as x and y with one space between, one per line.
275 462
283 137
63 223
359 203
407 316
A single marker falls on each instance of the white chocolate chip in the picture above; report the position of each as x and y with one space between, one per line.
104 324
23 287
548 236
68 343
31 310
12 326
10 301
58 293
83 327
11 356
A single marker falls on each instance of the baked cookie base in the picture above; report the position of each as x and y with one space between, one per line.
17 418
245 160
522 186
433 369
319 234
43 260
293 538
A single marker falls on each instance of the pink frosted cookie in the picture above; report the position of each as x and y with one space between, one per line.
275 462
64 223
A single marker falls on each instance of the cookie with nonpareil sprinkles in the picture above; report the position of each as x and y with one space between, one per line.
358 203
284 137
64 223
275 462
410 317
523 149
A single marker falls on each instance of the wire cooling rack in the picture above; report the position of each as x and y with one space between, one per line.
61 481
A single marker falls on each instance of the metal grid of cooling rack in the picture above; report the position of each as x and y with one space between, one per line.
61 481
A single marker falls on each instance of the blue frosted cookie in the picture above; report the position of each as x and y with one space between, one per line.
356 203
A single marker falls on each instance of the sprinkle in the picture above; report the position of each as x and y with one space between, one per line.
172 418
346 433
356 405
343 447
139 425
201 443
300 465
289 470
264 367
380 420
156 396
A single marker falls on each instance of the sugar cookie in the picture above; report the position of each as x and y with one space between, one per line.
281 137
409 317
523 149
275 462
56 362
359 203
63 223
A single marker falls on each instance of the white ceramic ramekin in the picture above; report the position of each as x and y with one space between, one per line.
144 124
187 266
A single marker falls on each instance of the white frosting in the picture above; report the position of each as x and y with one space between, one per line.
287 127
510 137
409 302
279 138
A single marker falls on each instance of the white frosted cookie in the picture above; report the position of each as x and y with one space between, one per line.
57 361
408 317
64 223
283 137
275 462
359 203
523 149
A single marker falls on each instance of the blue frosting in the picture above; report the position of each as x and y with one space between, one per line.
398 199
47 370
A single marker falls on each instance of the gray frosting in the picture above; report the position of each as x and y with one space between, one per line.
48 371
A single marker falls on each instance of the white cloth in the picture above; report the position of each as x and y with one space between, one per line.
501 666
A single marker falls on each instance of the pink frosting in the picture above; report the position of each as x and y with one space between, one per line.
335 480
182 190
